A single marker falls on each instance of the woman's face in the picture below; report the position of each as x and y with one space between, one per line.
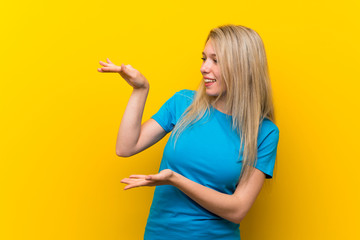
211 71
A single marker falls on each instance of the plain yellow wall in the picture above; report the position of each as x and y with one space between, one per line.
60 177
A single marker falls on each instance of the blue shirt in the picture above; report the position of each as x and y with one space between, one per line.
207 153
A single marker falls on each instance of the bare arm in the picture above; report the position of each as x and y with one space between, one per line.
132 136
231 207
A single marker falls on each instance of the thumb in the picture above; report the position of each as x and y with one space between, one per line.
123 68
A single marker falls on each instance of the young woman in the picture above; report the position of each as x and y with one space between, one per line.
223 142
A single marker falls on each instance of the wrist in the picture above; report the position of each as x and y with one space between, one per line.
174 178
144 88
141 83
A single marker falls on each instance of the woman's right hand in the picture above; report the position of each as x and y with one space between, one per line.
132 76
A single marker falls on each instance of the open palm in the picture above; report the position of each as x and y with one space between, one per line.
162 178
132 76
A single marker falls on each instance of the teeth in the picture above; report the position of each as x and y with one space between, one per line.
209 80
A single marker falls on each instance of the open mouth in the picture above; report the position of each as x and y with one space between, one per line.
209 80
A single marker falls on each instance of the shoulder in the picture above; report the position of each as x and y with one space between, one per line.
268 131
185 94
268 126
179 101
183 97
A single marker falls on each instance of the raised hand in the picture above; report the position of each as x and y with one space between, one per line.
132 76
162 178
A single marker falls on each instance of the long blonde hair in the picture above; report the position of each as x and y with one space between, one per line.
244 71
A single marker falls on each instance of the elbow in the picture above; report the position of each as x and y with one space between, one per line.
235 220
236 217
123 153
125 150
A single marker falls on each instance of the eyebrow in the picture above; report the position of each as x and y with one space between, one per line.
211 55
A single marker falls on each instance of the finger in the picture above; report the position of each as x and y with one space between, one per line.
129 187
138 176
133 180
103 64
124 72
131 183
135 184
105 69
111 69
125 180
108 60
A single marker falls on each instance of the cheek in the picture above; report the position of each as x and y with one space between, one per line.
218 77
221 83
217 73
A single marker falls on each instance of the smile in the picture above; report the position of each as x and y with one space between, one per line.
209 80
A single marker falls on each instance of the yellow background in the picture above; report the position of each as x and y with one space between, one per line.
60 177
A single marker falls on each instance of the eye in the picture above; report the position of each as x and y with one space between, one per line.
214 60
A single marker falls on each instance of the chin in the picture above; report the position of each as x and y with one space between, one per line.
211 93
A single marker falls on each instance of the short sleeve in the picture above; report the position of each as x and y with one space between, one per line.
170 113
166 115
266 154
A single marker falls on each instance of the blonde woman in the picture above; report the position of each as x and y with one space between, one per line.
222 146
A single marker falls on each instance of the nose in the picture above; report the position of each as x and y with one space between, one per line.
205 67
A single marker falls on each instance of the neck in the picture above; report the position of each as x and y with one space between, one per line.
220 106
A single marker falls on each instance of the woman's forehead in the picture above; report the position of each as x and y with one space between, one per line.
209 49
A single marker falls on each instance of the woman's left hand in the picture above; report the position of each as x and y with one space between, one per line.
162 178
